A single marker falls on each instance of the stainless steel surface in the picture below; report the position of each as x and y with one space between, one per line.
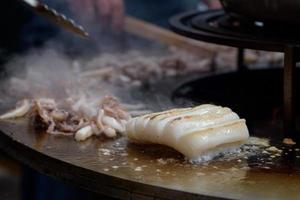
56 17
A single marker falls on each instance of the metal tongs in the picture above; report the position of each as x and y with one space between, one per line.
56 17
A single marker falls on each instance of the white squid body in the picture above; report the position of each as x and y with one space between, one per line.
199 133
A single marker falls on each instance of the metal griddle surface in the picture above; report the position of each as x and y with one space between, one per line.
128 171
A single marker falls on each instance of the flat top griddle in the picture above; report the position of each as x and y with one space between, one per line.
128 171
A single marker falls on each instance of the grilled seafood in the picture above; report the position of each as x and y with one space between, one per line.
199 133
109 120
22 109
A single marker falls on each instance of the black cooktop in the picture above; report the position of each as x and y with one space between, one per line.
216 26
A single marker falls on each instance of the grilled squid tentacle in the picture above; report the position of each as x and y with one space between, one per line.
19 111
113 123
99 119
95 129
109 120
84 133
110 132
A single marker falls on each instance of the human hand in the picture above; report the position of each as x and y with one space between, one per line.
110 13
213 4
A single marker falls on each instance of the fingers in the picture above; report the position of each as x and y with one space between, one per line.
213 4
117 14
104 11
111 13
104 7
83 9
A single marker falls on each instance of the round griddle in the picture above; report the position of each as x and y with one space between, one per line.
218 27
120 169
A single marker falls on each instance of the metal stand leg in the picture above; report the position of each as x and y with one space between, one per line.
288 92
213 66
240 59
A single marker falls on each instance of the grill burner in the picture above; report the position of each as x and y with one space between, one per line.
221 23
216 26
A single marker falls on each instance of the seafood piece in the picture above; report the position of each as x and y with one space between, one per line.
112 108
288 141
59 115
99 119
84 133
108 117
110 132
19 111
96 130
139 112
199 133
113 123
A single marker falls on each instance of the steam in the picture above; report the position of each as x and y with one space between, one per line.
55 70
40 73
50 72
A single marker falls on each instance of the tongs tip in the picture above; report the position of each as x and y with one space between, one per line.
56 17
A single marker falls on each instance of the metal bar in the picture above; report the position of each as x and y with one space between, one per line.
240 59
289 92
213 65
147 30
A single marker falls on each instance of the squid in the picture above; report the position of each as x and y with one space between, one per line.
199 133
